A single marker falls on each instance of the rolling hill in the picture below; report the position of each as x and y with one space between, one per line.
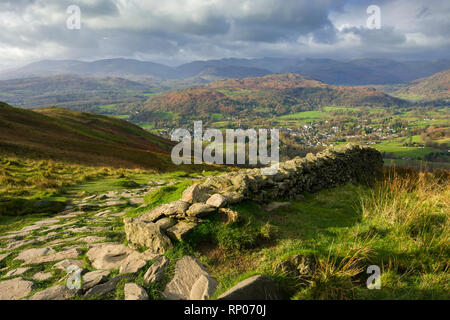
273 94
71 91
83 138
435 87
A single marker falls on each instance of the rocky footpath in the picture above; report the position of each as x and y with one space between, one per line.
159 227
76 254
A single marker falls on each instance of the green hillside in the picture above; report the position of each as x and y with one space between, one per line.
75 137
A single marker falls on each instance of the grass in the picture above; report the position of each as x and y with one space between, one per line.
400 224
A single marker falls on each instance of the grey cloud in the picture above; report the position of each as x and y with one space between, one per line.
200 29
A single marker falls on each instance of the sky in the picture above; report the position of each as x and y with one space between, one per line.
178 31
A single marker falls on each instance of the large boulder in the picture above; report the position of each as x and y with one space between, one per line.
258 287
146 234
187 271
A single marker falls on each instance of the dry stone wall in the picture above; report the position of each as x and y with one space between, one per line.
157 228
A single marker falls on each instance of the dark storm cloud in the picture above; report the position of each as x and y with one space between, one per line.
182 30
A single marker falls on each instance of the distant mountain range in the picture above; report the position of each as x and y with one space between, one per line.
338 72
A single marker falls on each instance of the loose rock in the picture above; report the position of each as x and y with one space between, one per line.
156 270
134 292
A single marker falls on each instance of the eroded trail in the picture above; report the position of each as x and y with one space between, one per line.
84 242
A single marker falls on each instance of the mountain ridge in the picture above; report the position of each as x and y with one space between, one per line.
361 71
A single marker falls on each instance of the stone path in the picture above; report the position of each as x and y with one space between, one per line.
87 237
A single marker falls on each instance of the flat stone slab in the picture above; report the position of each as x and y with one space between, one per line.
104 288
117 256
45 222
92 239
93 278
16 272
42 276
15 289
187 271
19 243
134 292
59 292
70 253
31 254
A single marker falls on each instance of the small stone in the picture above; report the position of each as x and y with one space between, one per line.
15 289
134 292
217 200
200 210
156 270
